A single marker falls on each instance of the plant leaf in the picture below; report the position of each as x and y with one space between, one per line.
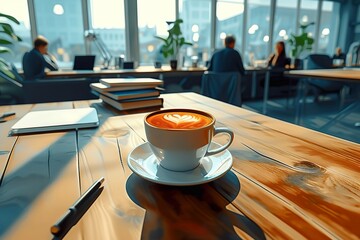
8 30
4 41
174 40
11 18
5 49
5 69
161 38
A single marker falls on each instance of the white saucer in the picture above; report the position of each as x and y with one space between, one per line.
142 162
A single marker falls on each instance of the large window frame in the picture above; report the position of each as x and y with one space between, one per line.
131 33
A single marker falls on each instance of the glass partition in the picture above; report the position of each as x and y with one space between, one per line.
61 23
196 29
329 25
308 14
107 20
229 20
284 22
257 35
152 17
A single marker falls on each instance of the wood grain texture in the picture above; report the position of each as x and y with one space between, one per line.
287 182
39 185
103 153
351 75
314 174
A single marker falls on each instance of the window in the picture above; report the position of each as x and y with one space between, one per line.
284 22
108 23
62 25
196 29
19 10
229 21
152 17
61 22
257 35
329 25
308 13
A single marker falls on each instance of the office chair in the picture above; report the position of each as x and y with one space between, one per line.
353 55
279 85
10 87
223 86
322 87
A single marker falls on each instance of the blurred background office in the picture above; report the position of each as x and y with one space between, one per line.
128 27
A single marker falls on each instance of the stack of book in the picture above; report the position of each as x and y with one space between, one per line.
129 93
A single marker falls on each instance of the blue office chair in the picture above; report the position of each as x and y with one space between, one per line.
322 87
223 86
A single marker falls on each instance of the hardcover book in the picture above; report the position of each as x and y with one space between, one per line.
131 94
133 103
131 82
99 87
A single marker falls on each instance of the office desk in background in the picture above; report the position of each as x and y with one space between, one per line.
347 75
140 71
181 80
66 85
286 182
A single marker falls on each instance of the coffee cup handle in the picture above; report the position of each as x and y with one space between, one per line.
222 148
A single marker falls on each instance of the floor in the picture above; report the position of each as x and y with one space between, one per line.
318 115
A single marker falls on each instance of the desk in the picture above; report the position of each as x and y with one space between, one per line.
148 71
286 182
346 75
167 72
263 71
66 85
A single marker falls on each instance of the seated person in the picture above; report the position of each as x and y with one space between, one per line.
278 59
227 59
37 60
277 63
339 55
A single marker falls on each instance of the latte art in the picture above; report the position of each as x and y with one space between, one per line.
179 120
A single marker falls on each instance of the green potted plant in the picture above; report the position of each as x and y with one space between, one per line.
300 43
173 42
7 36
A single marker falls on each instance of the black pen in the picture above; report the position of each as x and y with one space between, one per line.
7 114
77 210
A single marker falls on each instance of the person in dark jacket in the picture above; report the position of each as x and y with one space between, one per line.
277 62
278 59
38 59
227 59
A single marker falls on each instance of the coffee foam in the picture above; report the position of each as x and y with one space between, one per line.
179 120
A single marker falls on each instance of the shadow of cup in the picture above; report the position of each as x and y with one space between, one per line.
190 212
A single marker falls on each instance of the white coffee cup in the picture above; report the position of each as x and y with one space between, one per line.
180 138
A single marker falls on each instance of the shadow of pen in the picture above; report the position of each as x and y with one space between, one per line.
77 216
5 115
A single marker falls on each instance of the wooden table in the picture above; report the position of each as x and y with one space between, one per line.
349 75
336 74
286 182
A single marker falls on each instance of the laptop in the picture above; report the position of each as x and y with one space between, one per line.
56 120
84 62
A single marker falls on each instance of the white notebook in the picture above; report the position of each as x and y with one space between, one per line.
55 120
